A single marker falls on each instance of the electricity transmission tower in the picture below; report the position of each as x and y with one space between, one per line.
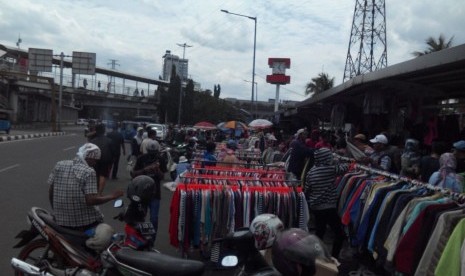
368 45
111 81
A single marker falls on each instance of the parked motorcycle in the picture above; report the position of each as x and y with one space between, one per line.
171 156
50 248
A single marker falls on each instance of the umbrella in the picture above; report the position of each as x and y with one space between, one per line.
205 125
260 124
233 125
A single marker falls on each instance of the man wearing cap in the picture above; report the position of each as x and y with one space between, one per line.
299 153
380 158
73 191
459 152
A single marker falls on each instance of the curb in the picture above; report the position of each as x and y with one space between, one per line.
29 136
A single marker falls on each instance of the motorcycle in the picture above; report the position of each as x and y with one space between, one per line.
171 157
49 249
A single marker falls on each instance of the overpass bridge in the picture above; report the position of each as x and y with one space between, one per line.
28 97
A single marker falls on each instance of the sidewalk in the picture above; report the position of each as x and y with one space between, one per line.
28 133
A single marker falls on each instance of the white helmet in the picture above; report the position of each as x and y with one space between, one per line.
265 228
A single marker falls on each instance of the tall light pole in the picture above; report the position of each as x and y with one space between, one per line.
181 78
256 95
254 45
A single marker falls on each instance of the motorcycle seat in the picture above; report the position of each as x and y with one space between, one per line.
77 236
159 264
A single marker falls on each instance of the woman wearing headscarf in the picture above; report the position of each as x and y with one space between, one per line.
446 176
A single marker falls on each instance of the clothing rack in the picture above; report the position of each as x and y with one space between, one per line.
241 170
274 166
242 155
394 176
241 181
202 212
230 197
394 232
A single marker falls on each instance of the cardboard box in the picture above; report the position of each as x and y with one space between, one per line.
326 268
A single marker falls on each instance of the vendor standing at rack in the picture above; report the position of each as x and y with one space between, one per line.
209 158
299 154
380 158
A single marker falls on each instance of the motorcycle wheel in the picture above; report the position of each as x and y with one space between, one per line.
37 251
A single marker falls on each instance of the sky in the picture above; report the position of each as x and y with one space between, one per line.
314 34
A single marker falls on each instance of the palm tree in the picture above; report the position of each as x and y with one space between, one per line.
435 45
319 84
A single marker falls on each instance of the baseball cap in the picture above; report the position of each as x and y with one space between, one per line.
139 129
360 137
459 145
380 138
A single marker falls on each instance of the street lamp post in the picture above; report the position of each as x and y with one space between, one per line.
254 45
256 96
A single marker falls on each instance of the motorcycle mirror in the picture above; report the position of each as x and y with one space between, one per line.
229 261
118 203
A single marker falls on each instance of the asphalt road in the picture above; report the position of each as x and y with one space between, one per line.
24 169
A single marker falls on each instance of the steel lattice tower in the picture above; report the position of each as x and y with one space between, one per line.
367 45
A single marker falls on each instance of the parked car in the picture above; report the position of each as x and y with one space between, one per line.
161 130
82 122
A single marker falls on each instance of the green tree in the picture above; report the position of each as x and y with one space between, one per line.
187 104
169 99
216 91
435 45
319 84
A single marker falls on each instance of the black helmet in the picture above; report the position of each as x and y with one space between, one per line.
141 189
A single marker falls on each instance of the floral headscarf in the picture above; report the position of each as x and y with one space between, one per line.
447 166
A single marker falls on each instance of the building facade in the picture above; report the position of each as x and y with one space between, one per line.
182 66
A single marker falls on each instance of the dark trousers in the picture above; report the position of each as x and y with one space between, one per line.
114 171
331 218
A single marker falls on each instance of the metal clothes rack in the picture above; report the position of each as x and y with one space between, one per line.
398 177
239 164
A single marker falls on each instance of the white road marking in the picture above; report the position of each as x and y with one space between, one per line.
9 168
70 148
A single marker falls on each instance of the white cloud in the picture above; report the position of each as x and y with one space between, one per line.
314 34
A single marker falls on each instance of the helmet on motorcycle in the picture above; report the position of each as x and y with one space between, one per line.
265 228
295 247
140 189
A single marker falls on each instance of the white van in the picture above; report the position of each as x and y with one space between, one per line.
161 130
